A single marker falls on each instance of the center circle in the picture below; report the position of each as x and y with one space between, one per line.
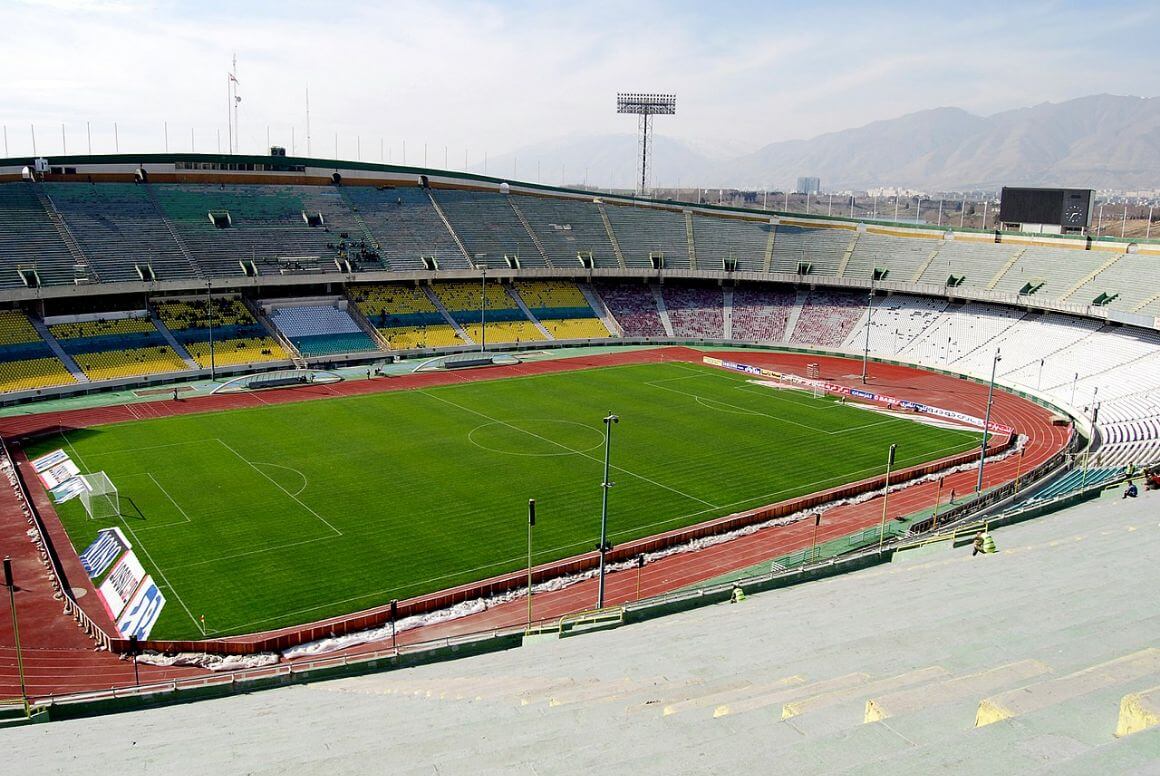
536 437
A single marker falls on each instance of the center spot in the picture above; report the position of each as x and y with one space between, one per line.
536 437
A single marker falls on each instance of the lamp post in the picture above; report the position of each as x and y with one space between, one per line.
482 307
531 524
16 632
885 496
987 421
814 548
609 420
869 315
394 617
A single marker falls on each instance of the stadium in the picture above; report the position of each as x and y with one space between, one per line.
272 420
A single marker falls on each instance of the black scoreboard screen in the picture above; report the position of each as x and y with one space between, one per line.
1068 208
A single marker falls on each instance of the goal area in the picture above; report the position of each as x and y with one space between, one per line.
100 497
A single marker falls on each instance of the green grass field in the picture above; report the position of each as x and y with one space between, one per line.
267 517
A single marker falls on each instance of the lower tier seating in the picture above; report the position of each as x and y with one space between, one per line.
132 362
505 331
439 335
32 373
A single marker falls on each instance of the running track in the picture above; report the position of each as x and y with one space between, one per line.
59 657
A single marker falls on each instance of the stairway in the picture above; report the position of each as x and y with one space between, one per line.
691 242
70 364
611 235
259 316
368 328
450 229
1007 265
515 296
922 268
1090 277
531 233
80 260
173 342
664 312
727 323
601 309
435 300
181 246
767 264
794 314
846 254
365 228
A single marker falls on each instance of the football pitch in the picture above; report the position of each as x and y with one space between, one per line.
284 514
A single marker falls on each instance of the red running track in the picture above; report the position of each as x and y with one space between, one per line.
59 658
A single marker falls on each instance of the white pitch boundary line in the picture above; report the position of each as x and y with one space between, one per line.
565 447
279 487
141 544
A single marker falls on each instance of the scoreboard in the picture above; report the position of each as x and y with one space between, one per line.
1052 211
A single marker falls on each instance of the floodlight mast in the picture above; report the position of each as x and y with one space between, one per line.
646 106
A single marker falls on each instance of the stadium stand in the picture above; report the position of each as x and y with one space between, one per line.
827 318
320 330
900 257
1058 269
114 347
405 316
568 228
975 262
896 321
695 311
717 239
822 249
489 227
645 232
120 227
237 337
29 240
406 226
761 314
26 361
561 308
505 320
223 227
634 307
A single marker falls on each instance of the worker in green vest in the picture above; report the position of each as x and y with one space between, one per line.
988 544
738 595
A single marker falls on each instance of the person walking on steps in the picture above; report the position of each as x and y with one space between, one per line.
977 544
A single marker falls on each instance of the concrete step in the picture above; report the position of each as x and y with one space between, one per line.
908 701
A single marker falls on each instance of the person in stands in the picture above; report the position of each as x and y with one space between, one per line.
977 544
738 595
1130 491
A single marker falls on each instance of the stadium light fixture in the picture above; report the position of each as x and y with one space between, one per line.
886 495
987 421
16 632
646 106
869 317
609 421
531 525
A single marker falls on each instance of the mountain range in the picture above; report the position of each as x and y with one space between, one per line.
1101 141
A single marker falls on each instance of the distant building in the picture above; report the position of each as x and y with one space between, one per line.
809 185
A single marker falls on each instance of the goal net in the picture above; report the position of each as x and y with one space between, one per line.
100 497
813 373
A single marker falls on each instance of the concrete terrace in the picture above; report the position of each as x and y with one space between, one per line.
1041 641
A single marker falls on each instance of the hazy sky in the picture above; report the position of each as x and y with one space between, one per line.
498 76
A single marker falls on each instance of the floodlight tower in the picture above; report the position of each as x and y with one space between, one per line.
646 106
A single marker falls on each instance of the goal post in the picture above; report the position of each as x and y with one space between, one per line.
100 497
814 374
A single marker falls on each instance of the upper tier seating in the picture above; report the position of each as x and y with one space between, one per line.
827 318
730 238
29 240
761 314
568 227
406 226
237 337
642 232
695 311
900 257
634 307
975 261
118 225
821 248
1058 269
265 226
321 330
489 227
